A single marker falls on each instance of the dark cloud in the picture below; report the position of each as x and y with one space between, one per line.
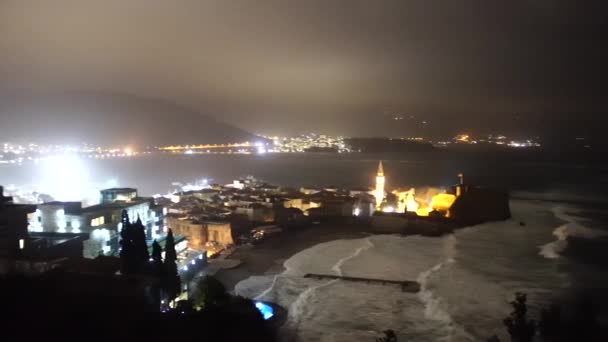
285 66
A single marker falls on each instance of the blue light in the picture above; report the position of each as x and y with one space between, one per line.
265 309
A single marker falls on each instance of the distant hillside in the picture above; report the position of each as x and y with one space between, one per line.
380 145
108 119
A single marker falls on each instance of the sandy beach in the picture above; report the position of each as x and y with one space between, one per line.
268 257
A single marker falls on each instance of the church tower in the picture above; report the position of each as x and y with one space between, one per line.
379 192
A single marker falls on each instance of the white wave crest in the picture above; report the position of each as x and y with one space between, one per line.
269 289
572 228
433 306
297 311
337 268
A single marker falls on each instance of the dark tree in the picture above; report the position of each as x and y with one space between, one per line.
519 327
172 282
157 253
127 247
58 297
157 258
139 241
210 293
170 254
134 250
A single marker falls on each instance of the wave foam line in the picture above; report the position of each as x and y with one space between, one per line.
337 268
432 304
553 249
269 289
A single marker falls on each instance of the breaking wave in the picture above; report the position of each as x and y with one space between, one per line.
466 281
433 308
572 228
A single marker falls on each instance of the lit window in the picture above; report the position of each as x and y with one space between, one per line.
98 221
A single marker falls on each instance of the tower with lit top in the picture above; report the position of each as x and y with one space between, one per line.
379 193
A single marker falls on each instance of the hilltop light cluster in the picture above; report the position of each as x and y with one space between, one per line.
304 142
490 139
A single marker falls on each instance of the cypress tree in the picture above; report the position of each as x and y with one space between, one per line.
157 259
157 270
126 245
172 281
170 254
142 257
124 219
157 253
134 250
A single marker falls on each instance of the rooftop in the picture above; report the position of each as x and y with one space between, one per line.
119 190
116 205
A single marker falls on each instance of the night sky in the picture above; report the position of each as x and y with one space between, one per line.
346 67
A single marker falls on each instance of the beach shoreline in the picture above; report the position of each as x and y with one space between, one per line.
267 257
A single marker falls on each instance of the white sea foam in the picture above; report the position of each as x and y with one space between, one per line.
572 228
337 268
262 295
433 308
433 305
466 282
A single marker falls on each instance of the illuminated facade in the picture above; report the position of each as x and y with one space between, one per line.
198 233
102 221
406 201
379 192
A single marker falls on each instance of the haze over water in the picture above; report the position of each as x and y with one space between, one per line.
155 173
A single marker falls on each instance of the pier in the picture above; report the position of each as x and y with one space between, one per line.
406 285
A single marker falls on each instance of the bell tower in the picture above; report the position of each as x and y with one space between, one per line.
379 192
